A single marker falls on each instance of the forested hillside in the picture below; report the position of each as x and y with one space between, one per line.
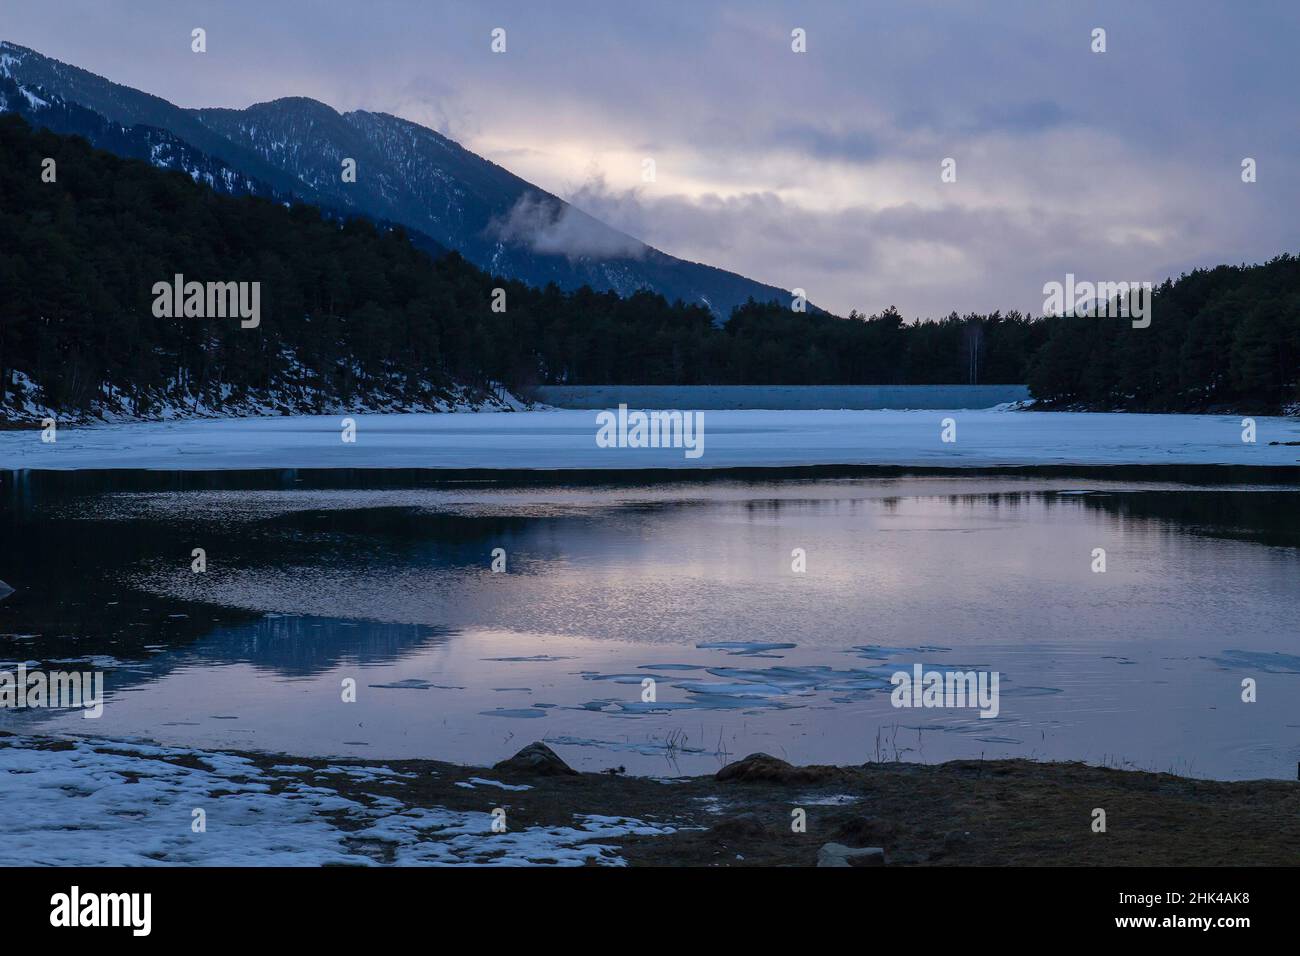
356 315
1226 338
410 175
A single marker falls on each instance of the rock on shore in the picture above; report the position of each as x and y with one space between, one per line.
537 760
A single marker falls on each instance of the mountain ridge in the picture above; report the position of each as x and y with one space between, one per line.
408 175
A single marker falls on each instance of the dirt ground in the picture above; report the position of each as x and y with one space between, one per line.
980 813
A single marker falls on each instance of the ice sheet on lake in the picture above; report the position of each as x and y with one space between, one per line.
746 648
736 688
649 747
567 439
484 782
1272 662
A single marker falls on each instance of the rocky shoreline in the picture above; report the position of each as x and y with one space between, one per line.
134 803
980 813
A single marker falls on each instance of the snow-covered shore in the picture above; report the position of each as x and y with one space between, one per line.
132 803
566 439
105 802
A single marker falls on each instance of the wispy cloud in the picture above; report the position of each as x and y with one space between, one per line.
550 227
818 170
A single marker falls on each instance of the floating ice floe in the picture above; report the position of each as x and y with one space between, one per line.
825 800
746 648
878 652
484 782
648 748
1273 662
743 688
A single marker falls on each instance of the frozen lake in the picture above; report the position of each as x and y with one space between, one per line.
566 439
688 584
781 397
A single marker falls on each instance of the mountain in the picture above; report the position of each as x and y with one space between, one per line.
406 174
42 108
157 146
353 315
287 308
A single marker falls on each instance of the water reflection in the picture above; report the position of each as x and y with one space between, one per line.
607 584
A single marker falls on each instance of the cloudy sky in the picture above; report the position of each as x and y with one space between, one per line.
818 170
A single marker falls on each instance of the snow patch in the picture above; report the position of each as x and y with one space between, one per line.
131 803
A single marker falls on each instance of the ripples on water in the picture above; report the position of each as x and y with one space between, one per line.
689 584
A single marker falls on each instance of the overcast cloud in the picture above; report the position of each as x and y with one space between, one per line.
816 170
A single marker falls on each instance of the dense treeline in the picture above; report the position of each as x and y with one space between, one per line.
352 307
355 305
1226 338
772 344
